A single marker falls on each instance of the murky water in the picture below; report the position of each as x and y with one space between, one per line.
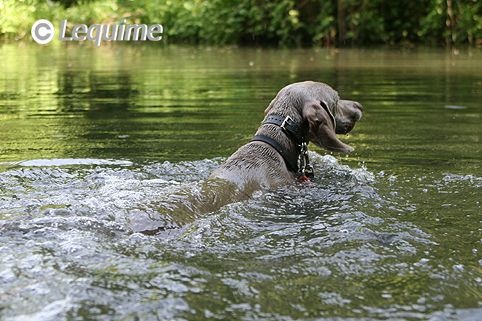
91 138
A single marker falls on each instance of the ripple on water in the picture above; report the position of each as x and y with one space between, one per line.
337 246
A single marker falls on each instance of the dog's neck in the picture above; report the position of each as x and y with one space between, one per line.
285 140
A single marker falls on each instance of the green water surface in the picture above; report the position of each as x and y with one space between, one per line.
402 244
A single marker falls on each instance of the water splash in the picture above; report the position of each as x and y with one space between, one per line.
342 241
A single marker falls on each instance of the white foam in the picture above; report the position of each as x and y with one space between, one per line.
73 161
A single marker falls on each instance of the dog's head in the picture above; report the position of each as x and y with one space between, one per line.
324 114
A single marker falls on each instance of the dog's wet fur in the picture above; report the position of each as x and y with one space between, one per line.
256 165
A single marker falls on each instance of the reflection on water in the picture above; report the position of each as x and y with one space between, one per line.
91 138
185 103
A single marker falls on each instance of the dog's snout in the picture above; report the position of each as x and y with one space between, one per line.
357 111
358 105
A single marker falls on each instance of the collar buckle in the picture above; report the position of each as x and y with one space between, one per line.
285 121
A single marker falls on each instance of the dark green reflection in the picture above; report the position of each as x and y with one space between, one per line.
182 103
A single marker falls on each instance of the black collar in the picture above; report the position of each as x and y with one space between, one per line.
296 162
293 130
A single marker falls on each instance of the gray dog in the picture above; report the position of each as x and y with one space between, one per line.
277 155
300 112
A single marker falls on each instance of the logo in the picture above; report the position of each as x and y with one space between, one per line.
43 32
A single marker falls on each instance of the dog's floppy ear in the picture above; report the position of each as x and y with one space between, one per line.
321 125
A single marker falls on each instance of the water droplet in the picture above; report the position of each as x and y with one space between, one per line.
458 267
